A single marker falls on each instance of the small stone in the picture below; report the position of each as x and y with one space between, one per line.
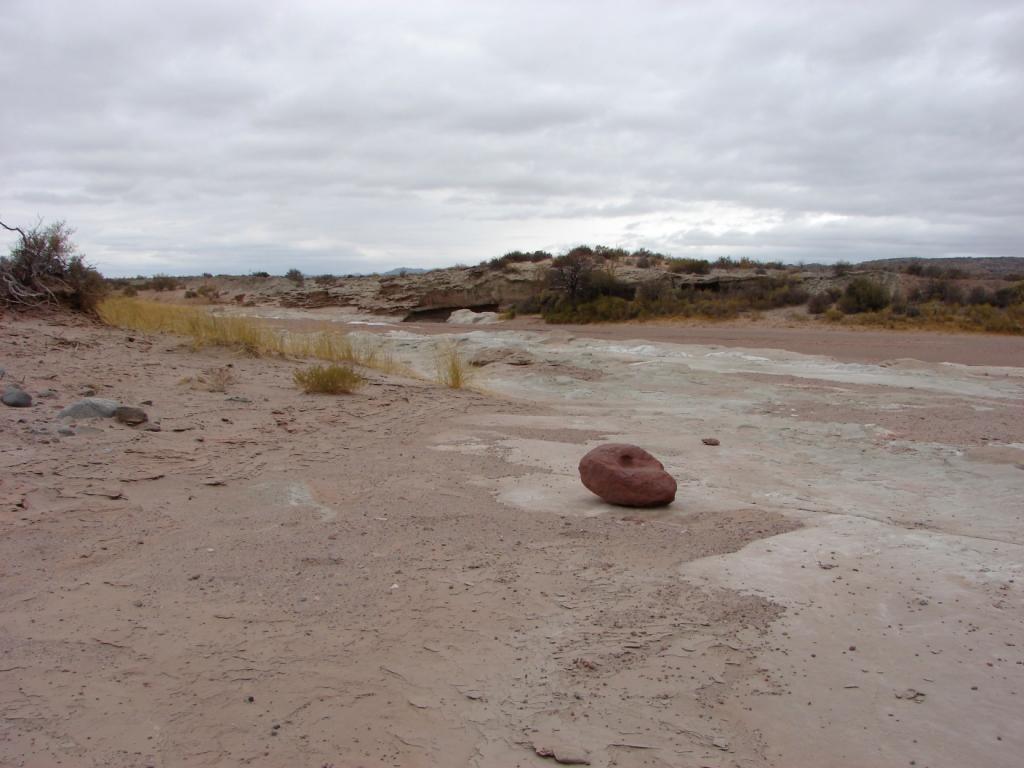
47 393
66 431
16 398
710 441
130 415
151 428
90 408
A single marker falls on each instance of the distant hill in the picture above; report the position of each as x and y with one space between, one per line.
400 271
979 267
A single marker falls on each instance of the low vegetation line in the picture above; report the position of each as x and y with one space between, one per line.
243 334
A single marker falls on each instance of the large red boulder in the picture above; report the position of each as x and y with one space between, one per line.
627 475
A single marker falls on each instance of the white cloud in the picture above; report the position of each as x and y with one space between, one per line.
229 136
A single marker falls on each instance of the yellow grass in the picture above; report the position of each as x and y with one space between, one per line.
452 369
330 379
244 334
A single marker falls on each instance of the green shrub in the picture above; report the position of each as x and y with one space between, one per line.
328 379
863 294
295 276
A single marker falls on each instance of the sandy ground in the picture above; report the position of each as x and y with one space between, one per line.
412 576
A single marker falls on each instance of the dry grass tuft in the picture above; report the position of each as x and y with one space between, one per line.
453 370
328 379
204 329
243 334
211 380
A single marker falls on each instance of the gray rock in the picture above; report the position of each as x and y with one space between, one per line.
90 408
16 398
47 393
66 431
505 355
127 414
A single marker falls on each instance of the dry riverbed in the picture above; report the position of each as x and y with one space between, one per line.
413 576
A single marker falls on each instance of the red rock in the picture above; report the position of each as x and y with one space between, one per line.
627 475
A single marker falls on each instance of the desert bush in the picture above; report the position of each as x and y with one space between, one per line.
571 273
771 293
605 283
689 266
914 268
516 257
841 268
654 290
1007 297
130 290
330 379
939 290
45 268
727 262
659 299
979 295
295 276
161 283
833 314
819 302
899 305
324 279
451 367
259 274
863 294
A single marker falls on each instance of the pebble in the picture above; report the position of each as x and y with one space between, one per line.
127 414
710 441
16 398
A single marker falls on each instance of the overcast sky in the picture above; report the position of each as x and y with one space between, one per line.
200 135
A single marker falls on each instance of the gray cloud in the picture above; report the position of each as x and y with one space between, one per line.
232 136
